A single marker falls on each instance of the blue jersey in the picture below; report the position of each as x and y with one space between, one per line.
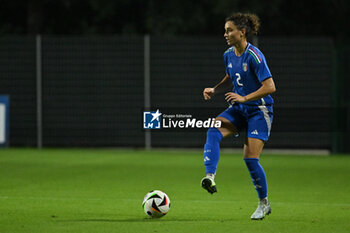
247 72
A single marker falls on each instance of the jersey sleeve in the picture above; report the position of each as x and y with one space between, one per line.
226 58
225 63
259 65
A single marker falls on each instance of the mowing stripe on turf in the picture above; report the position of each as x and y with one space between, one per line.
219 201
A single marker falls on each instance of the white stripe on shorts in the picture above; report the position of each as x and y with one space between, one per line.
267 118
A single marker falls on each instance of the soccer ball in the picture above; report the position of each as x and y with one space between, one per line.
156 204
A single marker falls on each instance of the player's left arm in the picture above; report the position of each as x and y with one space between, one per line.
267 87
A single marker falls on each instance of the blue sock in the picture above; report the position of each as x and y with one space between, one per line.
212 150
258 176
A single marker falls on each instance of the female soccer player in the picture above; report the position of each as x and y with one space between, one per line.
250 105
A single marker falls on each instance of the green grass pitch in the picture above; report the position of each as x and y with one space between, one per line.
100 190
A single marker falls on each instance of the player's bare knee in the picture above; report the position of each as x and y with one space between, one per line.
227 128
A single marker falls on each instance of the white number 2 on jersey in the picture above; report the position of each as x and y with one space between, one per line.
238 79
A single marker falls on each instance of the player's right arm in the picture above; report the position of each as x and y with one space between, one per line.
218 88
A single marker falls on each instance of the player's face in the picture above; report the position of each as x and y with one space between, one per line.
232 34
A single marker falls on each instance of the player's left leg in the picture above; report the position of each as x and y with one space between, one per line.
252 150
258 131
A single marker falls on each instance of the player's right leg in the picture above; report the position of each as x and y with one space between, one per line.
212 151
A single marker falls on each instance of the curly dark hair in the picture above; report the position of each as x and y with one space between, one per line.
250 22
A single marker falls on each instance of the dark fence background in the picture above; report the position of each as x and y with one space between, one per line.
18 80
93 89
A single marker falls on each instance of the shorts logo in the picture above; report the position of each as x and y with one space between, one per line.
152 120
255 132
245 67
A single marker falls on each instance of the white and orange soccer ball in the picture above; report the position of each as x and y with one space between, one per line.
156 204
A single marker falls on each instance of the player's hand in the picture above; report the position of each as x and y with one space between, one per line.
208 93
233 97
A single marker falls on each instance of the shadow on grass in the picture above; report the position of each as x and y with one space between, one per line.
145 220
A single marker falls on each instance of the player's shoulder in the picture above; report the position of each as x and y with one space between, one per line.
255 53
229 50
